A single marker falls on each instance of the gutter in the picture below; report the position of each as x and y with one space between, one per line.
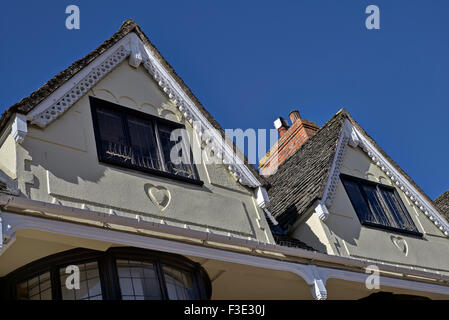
7 201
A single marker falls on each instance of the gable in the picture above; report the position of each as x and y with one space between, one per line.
309 177
60 165
357 164
346 235
59 94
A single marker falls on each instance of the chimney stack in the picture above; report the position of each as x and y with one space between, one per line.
294 115
281 125
290 141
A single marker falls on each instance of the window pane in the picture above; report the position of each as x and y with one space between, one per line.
138 280
143 143
112 135
176 159
89 286
37 288
375 205
401 218
179 284
358 201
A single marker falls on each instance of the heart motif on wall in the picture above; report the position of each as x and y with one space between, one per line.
400 243
159 195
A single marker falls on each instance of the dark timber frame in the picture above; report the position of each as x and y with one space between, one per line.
97 103
107 269
377 225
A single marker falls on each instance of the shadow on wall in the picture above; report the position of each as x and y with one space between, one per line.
305 234
75 166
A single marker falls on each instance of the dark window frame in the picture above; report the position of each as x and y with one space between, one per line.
96 103
107 267
378 186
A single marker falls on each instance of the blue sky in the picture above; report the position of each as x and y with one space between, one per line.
250 62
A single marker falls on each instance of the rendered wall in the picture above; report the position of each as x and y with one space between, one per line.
8 157
348 237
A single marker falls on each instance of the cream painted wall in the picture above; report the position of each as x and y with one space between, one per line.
59 164
8 157
348 237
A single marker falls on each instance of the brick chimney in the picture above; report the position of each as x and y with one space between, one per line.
291 139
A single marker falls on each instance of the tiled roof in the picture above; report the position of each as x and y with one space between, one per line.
300 180
287 241
442 202
27 104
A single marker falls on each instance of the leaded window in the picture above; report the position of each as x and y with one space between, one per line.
35 288
143 142
89 284
378 205
119 273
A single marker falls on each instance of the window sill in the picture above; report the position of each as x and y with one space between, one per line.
392 229
152 172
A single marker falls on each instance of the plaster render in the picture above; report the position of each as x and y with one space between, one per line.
349 238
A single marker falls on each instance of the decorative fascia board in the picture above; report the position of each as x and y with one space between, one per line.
352 136
131 45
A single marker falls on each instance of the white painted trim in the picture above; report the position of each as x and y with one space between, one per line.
58 94
19 127
408 284
331 184
270 216
321 211
352 136
314 276
130 45
262 197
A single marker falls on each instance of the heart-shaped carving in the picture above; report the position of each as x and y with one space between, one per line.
400 243
159 195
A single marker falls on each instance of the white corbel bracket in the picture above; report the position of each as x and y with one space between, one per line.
19 128
262 197
351 133
321 210
319 291
318 286
136 55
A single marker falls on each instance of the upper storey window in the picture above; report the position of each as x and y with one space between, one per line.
378 205
143 142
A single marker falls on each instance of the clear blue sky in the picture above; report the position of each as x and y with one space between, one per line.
250 62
